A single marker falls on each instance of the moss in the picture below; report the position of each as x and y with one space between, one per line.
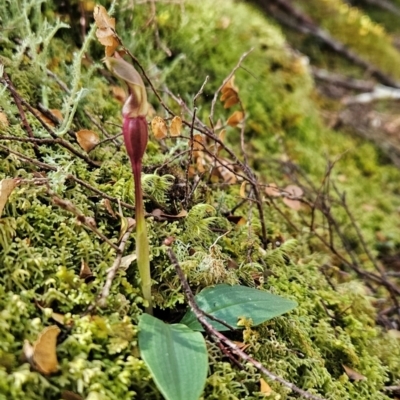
42 246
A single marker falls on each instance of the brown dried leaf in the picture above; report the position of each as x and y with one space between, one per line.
231 101
272 190
42 355
294 190
68 395
265 389
85 271
105 32
6 187
230 85
228 93
353 375
87 139
293 204
102 19
235 119
222 135
3 120
56 113
176 126
159 128
107 205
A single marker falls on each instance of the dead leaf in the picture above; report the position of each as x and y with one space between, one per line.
272 190
68 395
42 355
106 30
353 375
293 204
3 120
6 187
107 205
265 389
159 128
87 139
126 261
86 273
242 346
119 93
56 113
235 119
293 191
242 191
176 126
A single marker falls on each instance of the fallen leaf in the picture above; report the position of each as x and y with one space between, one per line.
85 272
87 139
272 190
6 187
56 113
3 120
107 205
68 395
235 118
353 375
265 389
293 204
126 261
102 19
176 126
42 355
293 191
159 128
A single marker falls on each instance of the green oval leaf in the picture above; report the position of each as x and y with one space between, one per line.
229 303
176 357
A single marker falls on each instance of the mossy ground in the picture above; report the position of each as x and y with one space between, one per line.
42 246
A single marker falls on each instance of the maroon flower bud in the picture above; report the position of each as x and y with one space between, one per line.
135 138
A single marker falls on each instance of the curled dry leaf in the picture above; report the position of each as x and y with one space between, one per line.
85 272
106 30
107 205
353 375
159 128
42 355
87 139
6 187
54 112
265 389
229 93
176 126
236 118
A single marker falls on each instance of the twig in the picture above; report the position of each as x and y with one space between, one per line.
102 298
220 338
190 158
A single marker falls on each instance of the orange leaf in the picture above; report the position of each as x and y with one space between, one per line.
176 126
102 19
106 30
235 118
159 128
231 101
230 85
42 355
87 139
6 187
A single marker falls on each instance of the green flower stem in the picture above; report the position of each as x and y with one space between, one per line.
142 241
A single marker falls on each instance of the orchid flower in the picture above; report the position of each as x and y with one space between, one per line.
136 135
